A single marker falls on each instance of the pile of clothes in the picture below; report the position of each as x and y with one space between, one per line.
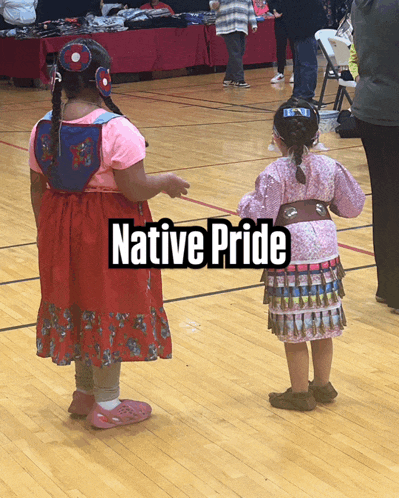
123 20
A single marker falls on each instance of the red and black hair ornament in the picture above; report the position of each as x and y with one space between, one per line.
75 57
103 81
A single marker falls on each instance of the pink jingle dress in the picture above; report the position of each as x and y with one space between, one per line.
305 298
89 312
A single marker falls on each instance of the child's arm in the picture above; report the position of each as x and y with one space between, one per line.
353 63
137 186
264 201
348 198
37 189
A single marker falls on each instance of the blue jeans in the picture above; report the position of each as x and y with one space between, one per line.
235 44
305 68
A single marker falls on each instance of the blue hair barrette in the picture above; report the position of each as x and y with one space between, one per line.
296 111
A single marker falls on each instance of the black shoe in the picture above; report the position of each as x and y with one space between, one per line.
323 394
302 402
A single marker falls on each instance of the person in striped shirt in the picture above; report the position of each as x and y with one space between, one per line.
232 19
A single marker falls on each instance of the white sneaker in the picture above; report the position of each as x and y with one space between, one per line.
292 78
277 78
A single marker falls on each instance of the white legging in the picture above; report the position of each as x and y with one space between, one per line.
103 382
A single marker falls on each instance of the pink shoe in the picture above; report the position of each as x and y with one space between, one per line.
128 412
81 403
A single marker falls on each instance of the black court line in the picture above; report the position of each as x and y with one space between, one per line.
202 219
18 245
19 281
195 296
354 228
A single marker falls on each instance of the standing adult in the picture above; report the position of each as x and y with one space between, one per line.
232 19
281 35
376 108
302 20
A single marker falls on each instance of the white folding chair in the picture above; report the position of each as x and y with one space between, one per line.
342 53
331 72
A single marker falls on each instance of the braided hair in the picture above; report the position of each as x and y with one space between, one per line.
297 131
73 83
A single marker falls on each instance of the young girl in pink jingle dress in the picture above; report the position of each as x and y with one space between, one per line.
304 298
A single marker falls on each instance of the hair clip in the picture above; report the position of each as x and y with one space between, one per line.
55 77
103 81
75 57
296 111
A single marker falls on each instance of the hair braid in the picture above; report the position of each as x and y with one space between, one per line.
55 124
111 105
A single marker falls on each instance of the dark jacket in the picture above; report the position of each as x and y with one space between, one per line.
303 17
376 39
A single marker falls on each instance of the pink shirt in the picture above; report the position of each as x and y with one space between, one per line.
326 180
122 147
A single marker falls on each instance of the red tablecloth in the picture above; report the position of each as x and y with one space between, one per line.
131 51
141 50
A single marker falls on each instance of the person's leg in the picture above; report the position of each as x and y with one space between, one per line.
82 398
281 44
108 411
234 69
84 378
381 144
298 366
305 68
322 354
106 385
243 44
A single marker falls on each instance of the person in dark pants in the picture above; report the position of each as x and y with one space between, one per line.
376 109
232 19
302 20
281 35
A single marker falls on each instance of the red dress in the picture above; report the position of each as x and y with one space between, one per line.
89 312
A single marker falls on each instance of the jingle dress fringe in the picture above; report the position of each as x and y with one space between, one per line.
305 301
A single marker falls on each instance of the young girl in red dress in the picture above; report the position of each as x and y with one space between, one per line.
87 167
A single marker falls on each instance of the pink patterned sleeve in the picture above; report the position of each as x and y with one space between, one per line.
122 145
348 198
264 201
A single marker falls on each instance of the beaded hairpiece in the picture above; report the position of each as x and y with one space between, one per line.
296 111
76 57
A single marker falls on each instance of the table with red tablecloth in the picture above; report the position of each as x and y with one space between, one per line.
142 50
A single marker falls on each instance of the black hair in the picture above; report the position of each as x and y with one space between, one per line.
297 131
73 83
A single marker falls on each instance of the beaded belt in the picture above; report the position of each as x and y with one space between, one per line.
300 211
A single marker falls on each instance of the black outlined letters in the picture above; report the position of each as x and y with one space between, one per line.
162 245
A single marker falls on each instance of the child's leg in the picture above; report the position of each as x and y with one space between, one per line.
298 365
106 385
84 378
322 354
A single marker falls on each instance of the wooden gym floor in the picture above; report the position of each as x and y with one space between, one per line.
213 432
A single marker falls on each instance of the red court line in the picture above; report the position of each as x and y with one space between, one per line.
363 251
15 146
209 205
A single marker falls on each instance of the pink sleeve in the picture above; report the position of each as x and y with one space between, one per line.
32 159
122 144
349 198
264 201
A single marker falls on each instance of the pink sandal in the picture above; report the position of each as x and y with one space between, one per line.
128 412
81 403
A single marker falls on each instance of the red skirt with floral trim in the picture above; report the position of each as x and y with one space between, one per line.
89 312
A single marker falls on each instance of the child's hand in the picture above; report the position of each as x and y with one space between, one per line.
215 5
175 186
